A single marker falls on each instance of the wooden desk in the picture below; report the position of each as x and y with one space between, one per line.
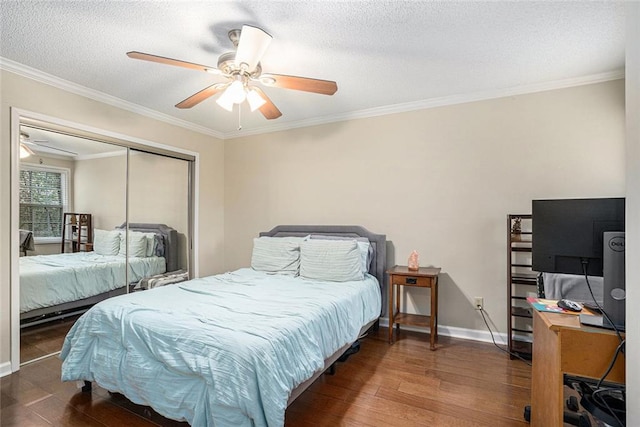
400 275
562 345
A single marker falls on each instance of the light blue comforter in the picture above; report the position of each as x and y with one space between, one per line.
47 280
223 350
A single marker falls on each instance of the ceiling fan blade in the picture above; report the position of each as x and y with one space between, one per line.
252 45
324 87
27 151
49 147
202 95
269 109
170 61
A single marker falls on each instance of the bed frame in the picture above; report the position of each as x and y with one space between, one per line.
58 311
377 269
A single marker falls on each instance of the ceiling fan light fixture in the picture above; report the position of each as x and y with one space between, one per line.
237 92
25 151
225 100
255 100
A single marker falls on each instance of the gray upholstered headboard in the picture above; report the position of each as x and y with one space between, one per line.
171 250
378 243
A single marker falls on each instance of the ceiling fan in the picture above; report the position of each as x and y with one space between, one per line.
26 143
243 71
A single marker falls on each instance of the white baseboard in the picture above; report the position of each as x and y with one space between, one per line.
5 369
455 332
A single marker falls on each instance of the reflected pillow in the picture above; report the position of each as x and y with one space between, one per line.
138 244
278 255
106 242
331 260
151 243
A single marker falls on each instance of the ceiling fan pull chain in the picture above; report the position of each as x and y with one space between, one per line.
239 116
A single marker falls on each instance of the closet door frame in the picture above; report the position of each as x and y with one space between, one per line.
20 116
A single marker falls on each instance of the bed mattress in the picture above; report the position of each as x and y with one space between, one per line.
47 280
224 350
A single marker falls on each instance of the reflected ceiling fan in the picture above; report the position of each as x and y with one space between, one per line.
243 72
26 143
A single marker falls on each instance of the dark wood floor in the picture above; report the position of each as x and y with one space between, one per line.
43 339
463 383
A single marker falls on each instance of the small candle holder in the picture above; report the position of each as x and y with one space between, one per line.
413 261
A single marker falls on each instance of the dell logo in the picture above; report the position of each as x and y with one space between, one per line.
617 244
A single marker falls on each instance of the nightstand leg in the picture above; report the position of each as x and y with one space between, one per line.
390 313
397 309
433 318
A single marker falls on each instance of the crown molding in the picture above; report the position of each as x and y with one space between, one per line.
32 73
435 102
42 77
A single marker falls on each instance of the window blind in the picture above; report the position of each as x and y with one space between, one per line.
43 198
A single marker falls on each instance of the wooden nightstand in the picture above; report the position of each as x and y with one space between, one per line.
400 275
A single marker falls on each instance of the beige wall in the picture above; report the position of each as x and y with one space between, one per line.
440 181
100 189
33 96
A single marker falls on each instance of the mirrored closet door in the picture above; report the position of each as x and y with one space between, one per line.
156 195
98 218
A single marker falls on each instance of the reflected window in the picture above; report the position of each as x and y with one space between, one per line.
43 199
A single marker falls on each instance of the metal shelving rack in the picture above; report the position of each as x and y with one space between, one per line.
521 283
77 231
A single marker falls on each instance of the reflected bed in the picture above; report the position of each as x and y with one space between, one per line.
59 283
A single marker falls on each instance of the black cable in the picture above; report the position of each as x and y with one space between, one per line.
596 395
613 361
494 340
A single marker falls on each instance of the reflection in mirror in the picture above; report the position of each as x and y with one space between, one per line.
71 189
158 207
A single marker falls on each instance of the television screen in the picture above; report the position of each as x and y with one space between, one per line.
568 233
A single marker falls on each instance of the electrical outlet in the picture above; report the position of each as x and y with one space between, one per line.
478 303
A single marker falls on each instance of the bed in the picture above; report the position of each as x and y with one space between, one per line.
67 282
235 348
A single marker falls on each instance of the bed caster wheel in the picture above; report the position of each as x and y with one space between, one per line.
331 370
527 413
355 347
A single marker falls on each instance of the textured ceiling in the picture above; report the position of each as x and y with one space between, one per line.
382 54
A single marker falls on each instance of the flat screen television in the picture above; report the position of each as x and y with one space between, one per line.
584 237
569 232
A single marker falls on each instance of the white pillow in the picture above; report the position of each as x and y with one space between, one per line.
151 243
106 242
279 255
366 251
138 244
331 260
